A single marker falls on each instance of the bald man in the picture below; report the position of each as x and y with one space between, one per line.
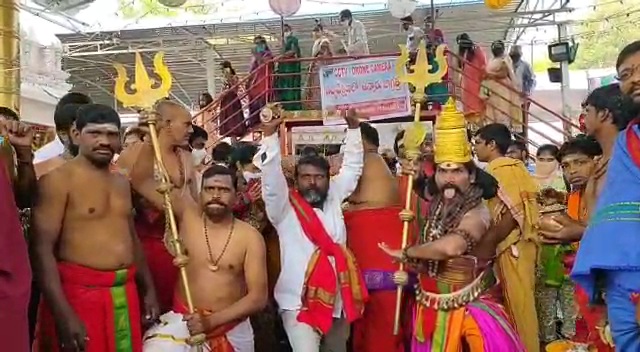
138 163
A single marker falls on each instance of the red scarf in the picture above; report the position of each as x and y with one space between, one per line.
321 280
633 142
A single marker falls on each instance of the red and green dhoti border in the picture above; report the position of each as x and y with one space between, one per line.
455 310
107 303
365 229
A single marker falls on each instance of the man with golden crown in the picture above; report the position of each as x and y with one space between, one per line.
453 254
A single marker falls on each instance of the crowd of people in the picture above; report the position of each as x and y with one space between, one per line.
492 89
289 253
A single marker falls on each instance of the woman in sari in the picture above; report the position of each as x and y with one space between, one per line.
231 117
502 101
288 84
259 84
322 51
472 63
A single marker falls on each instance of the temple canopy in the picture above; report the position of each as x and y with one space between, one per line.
192 48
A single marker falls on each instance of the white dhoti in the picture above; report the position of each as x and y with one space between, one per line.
171 334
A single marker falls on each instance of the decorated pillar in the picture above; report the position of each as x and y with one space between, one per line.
9 54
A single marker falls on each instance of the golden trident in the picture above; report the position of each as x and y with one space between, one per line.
144 98
415 134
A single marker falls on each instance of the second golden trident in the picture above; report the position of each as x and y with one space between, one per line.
415 134
144 98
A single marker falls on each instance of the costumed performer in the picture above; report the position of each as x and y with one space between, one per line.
87 258
454 254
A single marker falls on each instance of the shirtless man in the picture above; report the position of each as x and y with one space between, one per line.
137 161
373 217
86 255
226 269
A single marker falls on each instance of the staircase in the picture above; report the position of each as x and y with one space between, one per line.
215 115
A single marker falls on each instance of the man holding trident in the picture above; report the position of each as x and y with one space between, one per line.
372 217
454 253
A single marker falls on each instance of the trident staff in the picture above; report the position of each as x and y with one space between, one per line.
414 135
144 98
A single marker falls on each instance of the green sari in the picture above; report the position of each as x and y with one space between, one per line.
288 86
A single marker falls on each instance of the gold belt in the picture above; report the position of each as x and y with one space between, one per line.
459 298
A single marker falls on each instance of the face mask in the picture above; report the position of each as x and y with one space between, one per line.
546 168
248 175
198 155
344 23
260 48
286 34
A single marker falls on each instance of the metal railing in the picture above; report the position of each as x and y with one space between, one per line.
219 114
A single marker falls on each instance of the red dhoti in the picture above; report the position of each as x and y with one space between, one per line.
106 302
150 227
365 229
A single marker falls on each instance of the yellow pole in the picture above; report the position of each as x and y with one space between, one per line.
414 135
9 54
9 70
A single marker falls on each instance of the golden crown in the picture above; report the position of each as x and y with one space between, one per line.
451 143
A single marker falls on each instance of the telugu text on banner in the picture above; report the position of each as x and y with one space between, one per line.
368 85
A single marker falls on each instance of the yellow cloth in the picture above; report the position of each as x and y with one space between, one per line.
517 254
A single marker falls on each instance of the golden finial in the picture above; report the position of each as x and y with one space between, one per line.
144 97
145 94
421 77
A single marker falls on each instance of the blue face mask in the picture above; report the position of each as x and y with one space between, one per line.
260 48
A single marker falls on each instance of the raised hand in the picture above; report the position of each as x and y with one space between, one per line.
352 119
18 133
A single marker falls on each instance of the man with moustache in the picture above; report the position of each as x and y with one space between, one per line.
17 185
174 128
454 254
607 261
317 300
226 269
372 217
86 255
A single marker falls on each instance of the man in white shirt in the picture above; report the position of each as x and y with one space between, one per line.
415 34
357 42
320 290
